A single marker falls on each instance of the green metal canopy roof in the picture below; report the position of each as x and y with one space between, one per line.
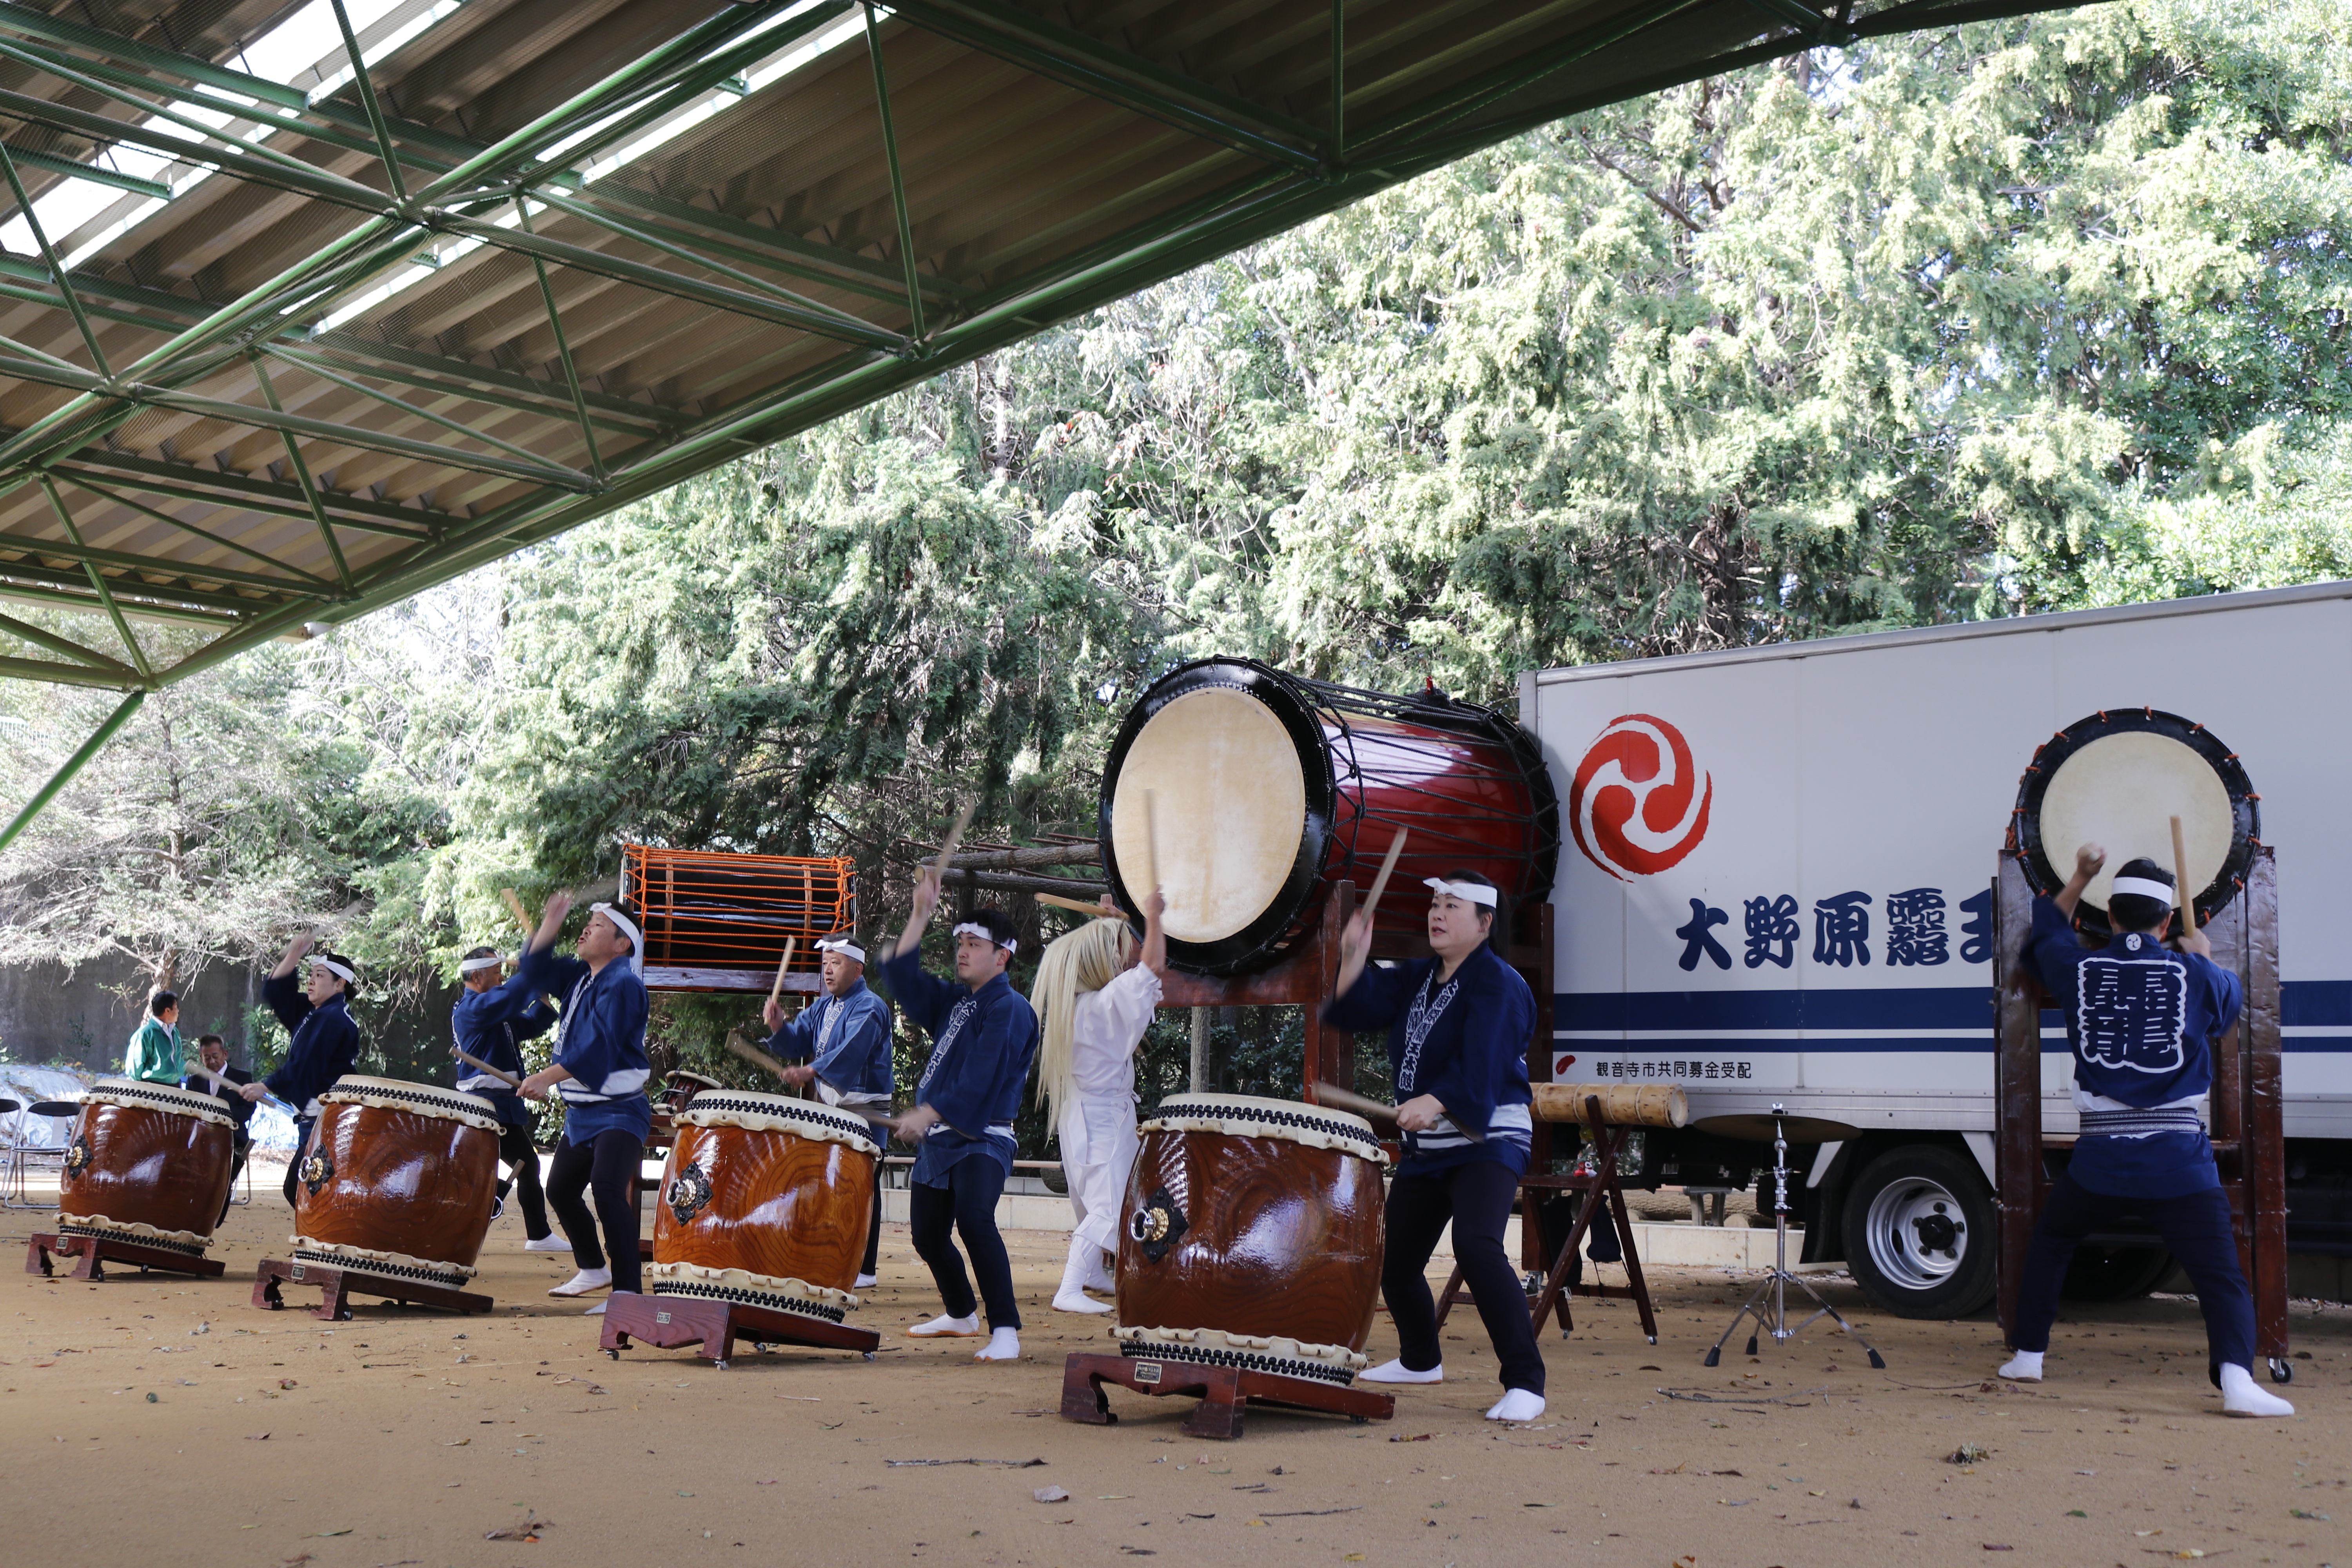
321 302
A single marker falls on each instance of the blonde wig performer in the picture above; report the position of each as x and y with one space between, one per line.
1095 997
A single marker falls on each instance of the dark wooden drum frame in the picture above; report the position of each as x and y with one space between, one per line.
1468 783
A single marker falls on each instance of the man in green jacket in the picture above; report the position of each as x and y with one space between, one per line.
154 1054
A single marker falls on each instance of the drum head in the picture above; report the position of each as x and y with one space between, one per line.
2117 779
1241 796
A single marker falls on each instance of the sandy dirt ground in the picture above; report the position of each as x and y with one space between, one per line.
154 1421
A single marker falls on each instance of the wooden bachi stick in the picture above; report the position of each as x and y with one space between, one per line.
776 992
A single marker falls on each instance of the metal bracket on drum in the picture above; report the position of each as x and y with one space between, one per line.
672 1322
96 1252
337 1286
1225 1391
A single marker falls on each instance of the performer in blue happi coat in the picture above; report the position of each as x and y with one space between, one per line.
490 1023
842 1044
1459 1023
599 1072
2141 1022
325 1044
984 1035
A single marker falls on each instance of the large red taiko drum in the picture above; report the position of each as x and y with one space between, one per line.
147 1163
1269 788
1252 1237
397 1180
766 1202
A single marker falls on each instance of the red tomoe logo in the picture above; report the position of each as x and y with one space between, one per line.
1639 803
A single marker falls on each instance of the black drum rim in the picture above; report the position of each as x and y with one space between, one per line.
2044 874
1297 715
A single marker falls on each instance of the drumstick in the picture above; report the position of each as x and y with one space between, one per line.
1150 842
754 1055
954 837
2181 876
1338 1098
521 915
1381 882
776 992
1073 905
499 1073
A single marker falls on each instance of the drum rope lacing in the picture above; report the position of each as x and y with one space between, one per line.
448 1105
765 1299
1169 1111
134 1094
145 1237
451 1276
1247 1361
707 1108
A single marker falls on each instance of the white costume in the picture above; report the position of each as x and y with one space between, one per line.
1097 1126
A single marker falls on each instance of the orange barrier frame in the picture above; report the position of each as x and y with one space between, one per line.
716 921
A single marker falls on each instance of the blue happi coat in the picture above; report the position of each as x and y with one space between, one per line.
2140 1020
325 1045
982 1044
1463 1041
490 1026
601 1042
846 1038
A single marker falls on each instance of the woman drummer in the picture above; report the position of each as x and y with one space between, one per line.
1097 989
324 1044
1458 1027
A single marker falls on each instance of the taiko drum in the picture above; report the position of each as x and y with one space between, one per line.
1252 1237
148 1162
398 1180
765 1202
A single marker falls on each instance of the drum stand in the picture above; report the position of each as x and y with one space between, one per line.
1776 1279
96 1252
338 1286
668 1323
1223 1391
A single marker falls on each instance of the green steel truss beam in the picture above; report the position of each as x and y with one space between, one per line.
1300 171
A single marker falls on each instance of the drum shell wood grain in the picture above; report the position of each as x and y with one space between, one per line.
779 1204
405 1182
148 1167
1280 1238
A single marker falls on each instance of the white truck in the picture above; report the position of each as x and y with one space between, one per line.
1799 912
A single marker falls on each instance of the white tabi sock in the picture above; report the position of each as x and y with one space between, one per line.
1099 1274
2239 1396
1397 1372
1516 1405
1004 1344
587 1279
1071 1296
547 1244
2025 1366
598 1309
864 1282
944 1327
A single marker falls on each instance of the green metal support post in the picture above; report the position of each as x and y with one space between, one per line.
73 765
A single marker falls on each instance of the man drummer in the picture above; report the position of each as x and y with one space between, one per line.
490 1023
599 1072
984 1035
230 1078
843 1040
1096 993
325 1044
1458 1023
2140 1021
154 1054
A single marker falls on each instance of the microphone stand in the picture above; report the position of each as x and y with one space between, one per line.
1776 1279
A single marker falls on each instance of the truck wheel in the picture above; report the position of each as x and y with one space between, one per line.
1919 1233
2115 1273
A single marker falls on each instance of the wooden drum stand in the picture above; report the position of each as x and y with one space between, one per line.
97 1252
669 1322
2249 1138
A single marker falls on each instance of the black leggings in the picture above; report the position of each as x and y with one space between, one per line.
294 1166
968 1202
2195 1226
1477 1196
515 1148
609 1163
874 1228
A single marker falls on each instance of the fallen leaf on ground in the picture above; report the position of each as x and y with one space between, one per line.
1050 1494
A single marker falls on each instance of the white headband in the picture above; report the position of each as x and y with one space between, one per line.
846 948
337 970
1468 892
627 927
2140 886
475 965
972 928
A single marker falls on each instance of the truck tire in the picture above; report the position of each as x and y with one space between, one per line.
1919 1233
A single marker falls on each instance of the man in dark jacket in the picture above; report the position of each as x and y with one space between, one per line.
214 1056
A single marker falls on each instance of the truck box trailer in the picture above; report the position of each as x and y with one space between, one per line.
1797 906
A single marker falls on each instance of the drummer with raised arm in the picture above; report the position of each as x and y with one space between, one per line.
599 1072
841 1043
1458 1023
325 1044
984 1037
2141 1023
493 1015
1096 993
